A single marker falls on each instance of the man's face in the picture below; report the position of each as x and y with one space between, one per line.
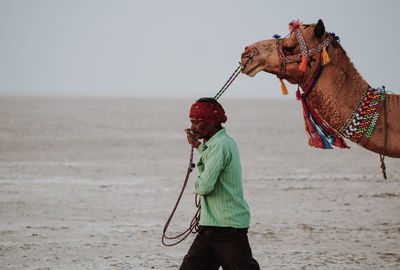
201 129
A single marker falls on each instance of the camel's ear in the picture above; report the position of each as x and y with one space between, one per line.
319 29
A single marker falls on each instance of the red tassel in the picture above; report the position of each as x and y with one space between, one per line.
298 95
320 143
315 139
310 142
339 142
310 126
303 64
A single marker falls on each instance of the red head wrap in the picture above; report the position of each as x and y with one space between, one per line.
210 112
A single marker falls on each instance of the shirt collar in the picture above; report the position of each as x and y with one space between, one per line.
220 133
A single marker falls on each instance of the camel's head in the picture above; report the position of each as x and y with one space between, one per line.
290 58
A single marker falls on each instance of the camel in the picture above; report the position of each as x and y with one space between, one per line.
334 91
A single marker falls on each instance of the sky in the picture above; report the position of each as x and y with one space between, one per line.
176 48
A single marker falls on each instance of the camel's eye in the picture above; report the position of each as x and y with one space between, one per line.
289 49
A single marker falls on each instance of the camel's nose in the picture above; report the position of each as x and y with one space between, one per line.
249 50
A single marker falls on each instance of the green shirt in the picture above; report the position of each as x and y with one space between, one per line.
220 184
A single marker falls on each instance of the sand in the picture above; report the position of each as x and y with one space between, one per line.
88 183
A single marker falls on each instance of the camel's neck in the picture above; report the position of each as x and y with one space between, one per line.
338 89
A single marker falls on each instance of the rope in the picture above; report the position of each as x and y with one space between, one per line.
382 156
228 83
194 224
193 228
232 77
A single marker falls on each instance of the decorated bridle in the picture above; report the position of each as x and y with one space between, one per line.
320 134
304 56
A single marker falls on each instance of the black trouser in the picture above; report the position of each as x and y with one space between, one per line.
218 246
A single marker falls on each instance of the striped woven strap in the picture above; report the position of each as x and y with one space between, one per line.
303 49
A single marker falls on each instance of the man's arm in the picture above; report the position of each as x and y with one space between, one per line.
217 160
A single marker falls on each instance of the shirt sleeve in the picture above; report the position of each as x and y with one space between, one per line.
216 161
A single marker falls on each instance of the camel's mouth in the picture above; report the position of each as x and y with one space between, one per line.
251 71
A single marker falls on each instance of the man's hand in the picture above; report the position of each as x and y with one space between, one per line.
192 139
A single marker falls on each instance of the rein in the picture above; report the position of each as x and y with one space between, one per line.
194 224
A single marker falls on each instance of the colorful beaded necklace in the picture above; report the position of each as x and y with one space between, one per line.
362 121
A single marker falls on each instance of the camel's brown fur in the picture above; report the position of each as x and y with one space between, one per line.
338 90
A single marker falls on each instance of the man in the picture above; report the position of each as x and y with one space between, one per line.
225 216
